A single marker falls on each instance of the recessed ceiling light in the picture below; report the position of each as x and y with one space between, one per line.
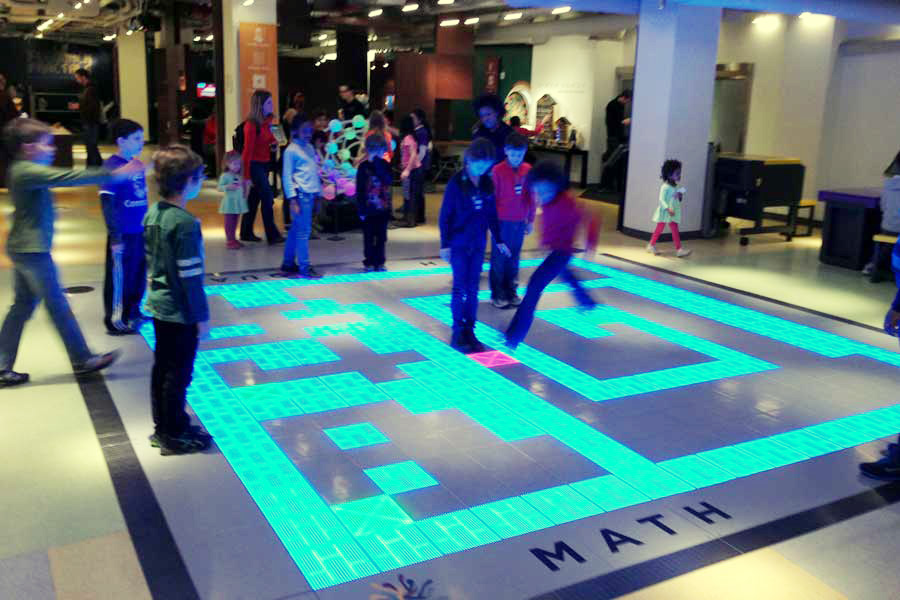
77 6
450 23
512 16
385 65
323 37
375 13
410 7
198 38
471 21
561 10
446 2
129 32
210 37
60 15
40 36
247 3
331 56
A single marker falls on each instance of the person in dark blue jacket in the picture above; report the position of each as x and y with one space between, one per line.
467 212
490 125
124 206
888 468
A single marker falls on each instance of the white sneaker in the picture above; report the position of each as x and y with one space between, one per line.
683 252
652 249
868 269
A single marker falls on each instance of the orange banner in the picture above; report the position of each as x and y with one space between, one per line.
258 52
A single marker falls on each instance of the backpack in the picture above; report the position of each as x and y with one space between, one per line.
237 140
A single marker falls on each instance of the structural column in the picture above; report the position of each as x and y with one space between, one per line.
131 55
233 14
672 113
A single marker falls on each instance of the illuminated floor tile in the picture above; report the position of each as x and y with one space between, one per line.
353 388
493 358
229 331
609 492
371 515
400 477
562 504
696 471
511 517
457 531
356 436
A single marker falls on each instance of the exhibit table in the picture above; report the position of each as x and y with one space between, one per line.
568 153
852 217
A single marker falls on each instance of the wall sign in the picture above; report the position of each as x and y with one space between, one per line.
258 52
492 75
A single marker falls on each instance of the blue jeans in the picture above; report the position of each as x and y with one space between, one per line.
466 265
297 244
556 264
504 273
35 279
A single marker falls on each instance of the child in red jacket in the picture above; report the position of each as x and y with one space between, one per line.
561 218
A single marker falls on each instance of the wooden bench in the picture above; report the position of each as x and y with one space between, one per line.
810 205
881 238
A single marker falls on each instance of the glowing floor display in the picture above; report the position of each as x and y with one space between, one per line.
333 542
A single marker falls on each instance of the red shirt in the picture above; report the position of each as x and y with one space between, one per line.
209 131
257 146
530 132
559 223
514 200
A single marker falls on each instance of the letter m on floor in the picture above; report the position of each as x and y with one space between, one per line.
560 550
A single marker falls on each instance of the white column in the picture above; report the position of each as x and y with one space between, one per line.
233 14
131 51
672 113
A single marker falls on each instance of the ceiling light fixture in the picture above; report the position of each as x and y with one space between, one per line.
40 36
385 65
129 32
210 37
450 23
198 38
77 6
375 13
410 7
471 21
561 10
61 15
323 37
446 2
512 16
247 3
330 56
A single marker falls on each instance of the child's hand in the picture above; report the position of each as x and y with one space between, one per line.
404 175
132 168
672 211
504 250
445 254
294 206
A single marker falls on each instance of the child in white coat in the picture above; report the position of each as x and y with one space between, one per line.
669 209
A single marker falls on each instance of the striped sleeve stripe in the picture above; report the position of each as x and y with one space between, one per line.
185 273
186 262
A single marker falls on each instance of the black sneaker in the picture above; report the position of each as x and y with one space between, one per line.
381 268
460 342
885 469
126 331
194 430
515 300
310 273
474 345
97 362
186 443
251 238
9 378
286 268
276 240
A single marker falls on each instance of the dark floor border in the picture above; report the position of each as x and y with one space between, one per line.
746 293
642 575
164 569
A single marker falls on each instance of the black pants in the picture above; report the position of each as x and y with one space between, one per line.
417 194
374 238
173 364
556 264
91 137
260 198
466 265
124 284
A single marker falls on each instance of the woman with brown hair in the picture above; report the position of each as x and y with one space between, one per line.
256 154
